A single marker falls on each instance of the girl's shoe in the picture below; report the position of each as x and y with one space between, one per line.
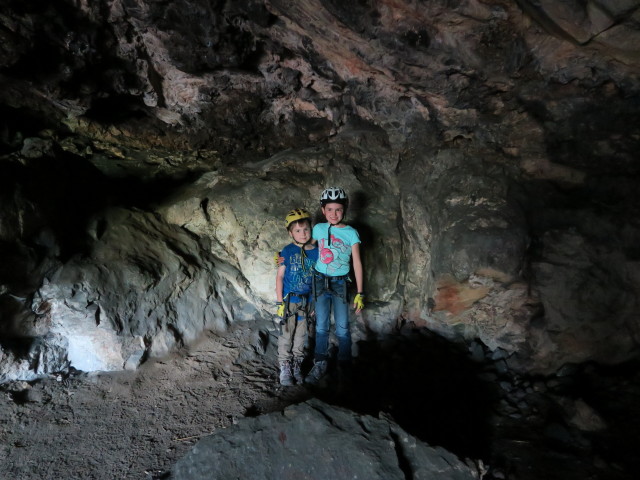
317 372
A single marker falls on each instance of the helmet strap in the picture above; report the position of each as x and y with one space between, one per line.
303 257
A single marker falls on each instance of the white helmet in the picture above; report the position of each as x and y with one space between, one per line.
333 195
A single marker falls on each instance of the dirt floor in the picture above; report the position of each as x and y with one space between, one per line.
136 425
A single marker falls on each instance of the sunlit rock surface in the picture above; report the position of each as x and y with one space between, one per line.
149 151
145 287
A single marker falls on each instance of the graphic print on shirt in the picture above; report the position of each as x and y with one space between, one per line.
335 256
298 277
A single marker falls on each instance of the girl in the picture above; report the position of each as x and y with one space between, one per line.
338 245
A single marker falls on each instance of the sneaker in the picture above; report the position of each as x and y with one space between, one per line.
286 379
317 372
297 370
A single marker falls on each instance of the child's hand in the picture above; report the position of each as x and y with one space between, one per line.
277 259
280 310
358 302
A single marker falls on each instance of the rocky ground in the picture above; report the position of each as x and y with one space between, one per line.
132 424
136 425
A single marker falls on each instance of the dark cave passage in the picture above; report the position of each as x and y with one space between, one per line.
428 385
63 192
522 426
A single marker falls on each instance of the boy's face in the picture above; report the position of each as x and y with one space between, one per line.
333 212
300 232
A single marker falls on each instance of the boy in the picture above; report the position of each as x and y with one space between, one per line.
293 295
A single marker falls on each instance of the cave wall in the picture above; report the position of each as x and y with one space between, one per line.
149 151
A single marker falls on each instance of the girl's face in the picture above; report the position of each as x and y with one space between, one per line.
300 232
333 212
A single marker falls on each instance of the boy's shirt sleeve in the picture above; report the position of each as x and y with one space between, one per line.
286 254
313 255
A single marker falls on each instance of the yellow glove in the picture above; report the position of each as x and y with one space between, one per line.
358 302
280 311
278 260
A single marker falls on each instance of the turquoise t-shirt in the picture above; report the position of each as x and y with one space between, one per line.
334 256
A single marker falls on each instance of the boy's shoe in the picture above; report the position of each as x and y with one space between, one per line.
317 372
286 378
297 370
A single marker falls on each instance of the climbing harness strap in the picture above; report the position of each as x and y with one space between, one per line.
301 305
303 258
325 284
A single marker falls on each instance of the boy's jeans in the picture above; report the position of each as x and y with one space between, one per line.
335 297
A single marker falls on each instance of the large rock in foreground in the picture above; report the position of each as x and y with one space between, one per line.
316 441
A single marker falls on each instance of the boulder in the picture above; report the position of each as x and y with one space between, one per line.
317 441
144 287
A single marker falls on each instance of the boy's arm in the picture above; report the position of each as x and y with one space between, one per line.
280 282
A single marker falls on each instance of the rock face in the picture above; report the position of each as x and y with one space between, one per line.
316 441
95 302
150 150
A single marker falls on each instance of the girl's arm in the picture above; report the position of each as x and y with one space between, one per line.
357 268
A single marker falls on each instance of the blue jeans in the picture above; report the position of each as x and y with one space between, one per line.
334 297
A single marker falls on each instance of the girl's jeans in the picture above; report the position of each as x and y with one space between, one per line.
331 293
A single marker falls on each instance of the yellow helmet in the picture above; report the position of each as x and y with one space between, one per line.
295 215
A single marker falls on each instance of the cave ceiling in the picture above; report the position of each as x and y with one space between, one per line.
248 79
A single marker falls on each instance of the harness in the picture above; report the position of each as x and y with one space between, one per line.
322 284
303 306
